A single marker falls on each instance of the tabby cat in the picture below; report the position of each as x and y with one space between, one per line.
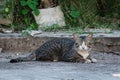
62 49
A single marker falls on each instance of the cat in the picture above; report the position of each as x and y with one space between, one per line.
62 49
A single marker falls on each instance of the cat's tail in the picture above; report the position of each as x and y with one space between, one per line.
30 57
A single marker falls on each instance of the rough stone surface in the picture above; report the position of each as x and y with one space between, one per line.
107 68
111 44
21 44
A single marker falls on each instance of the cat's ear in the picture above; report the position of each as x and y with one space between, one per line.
89 37
75 36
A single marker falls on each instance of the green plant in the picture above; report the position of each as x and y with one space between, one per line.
53 28
109 9
31 4
87 13
23 17
6 9
79 13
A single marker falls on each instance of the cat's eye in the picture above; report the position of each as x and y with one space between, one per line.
76 45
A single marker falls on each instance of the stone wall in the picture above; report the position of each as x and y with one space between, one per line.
105 44
21 44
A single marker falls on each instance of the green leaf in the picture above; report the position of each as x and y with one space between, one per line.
32 6
36 12
24 12
75 14
23 3
6 9
35 3
72 8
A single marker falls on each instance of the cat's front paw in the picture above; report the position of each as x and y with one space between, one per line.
93 60
87 61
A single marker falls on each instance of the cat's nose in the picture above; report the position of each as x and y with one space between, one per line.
83 48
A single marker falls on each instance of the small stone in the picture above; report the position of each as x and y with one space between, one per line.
7 31
34 32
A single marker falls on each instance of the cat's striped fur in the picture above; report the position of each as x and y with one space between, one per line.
62 49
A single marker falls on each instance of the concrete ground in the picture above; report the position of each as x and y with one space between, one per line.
107 68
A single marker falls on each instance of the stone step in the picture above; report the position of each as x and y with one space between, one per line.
19 43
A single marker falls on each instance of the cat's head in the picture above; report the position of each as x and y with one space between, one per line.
83 44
